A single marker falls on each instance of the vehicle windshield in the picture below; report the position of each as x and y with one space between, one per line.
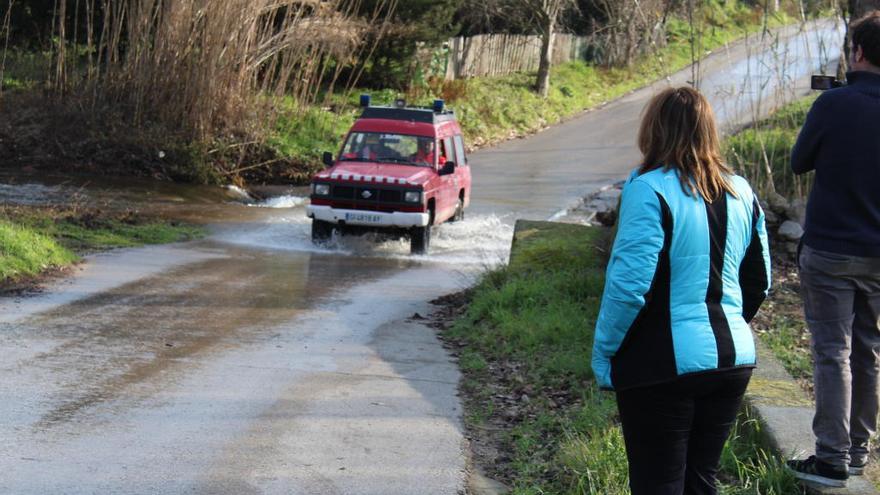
391 148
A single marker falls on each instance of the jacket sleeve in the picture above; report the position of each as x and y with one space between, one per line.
803 155
754 270
629 274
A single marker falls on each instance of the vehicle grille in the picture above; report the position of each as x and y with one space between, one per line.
367 194
389 196
343 192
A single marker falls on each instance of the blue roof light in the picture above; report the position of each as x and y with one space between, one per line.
365 100
438 105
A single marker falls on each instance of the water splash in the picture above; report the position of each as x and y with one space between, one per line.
482 240
282 202
239 193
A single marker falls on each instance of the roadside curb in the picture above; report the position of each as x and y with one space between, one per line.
786 413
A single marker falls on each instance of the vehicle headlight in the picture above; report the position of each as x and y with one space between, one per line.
321 189
413 197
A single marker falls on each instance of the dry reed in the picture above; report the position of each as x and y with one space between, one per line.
5 28
206 67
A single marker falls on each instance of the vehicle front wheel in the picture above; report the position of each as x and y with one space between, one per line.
420 240
321 231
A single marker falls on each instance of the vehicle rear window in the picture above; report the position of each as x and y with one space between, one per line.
459 150
448 150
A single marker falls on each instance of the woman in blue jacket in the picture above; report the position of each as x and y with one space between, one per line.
689 268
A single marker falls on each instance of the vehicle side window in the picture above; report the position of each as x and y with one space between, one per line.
459 150
448 150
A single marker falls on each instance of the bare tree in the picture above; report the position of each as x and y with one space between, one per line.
5 27
546 14
632 27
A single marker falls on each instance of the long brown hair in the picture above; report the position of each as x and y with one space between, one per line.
678 131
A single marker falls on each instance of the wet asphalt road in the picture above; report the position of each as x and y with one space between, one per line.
252 362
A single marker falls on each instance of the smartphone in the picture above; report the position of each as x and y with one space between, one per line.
822 83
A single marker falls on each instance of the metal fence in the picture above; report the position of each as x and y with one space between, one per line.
500 54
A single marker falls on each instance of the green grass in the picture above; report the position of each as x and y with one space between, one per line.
26 252
23 69
781 325
790 342
748 463
306 132
115 234
33 240
528 331
767 145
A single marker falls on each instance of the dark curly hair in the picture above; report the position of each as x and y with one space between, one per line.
866 34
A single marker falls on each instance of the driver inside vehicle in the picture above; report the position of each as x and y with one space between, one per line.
425 153
372 148
441 160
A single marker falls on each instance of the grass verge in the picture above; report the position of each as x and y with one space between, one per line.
762 152
534 414
34 241
780 324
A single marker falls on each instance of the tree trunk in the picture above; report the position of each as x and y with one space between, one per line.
60 63
543 82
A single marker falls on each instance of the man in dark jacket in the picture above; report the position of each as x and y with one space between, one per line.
840 261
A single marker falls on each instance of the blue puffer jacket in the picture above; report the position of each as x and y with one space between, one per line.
684 279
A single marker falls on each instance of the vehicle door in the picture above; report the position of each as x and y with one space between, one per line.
447 197
462 170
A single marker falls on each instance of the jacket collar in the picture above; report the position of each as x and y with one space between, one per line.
863 78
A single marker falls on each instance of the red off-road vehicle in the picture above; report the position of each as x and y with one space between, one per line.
401 171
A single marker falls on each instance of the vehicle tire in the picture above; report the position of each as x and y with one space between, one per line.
459 212
420 240
321 231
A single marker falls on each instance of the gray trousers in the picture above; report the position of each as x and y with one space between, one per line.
842 305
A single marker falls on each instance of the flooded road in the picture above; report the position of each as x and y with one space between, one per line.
254 362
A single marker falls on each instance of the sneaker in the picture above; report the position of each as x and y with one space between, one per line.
856 469
812 469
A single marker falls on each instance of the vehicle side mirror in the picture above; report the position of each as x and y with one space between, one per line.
328 158
448 168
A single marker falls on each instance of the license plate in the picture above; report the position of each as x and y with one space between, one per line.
362 217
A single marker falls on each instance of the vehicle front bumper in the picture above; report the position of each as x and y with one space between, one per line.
367 218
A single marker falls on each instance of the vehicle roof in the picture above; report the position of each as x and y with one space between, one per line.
409 120
394 126
410 114
443 130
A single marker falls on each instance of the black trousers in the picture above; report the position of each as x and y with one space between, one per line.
674 432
